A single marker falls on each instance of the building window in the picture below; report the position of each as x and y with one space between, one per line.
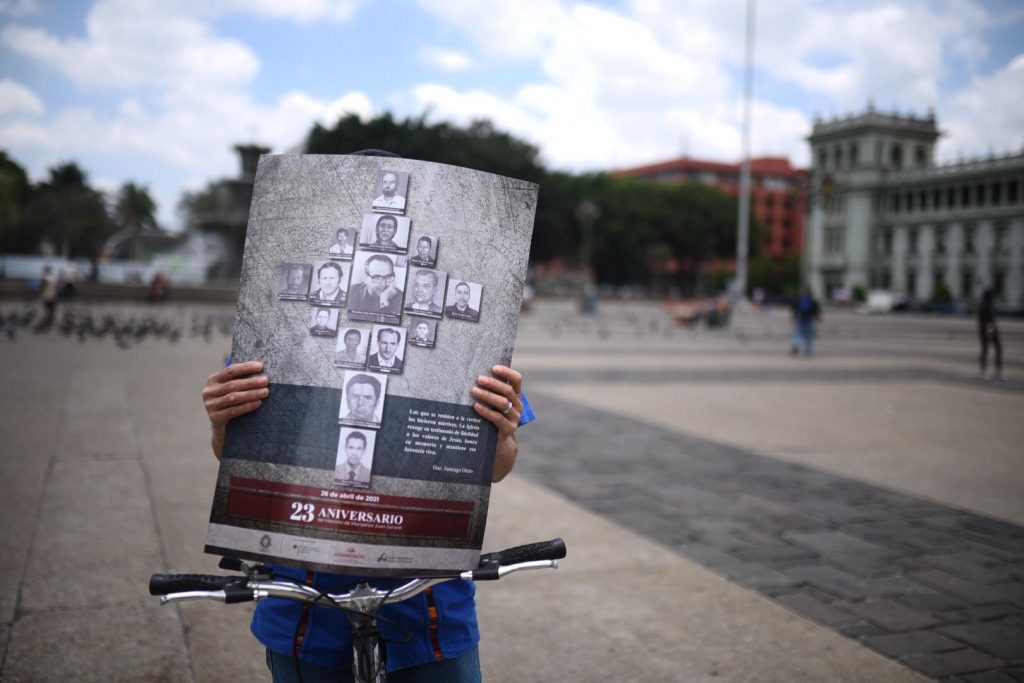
965 197
887 242
997 193
910 201
834 241
967 284
951 198
896 156
822 159
936 200
912 241
919 156
838 154
1011 192
853 155
979 195
923 200
999 283
940 241
969 239
1001 234
896 203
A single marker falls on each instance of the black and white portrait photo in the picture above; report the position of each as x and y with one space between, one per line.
323 322
391 188
422 332
463 301
425 292
350 352
362 399
355 457
375 294
425 251
387 349
331 283
343 245
293 281
384 232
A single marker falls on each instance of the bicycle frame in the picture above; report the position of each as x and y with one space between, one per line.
368 656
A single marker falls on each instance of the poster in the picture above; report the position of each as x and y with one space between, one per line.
374 290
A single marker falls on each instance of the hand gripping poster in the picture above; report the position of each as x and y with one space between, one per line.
367 457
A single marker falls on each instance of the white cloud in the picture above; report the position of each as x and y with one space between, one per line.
16 99
662 77
520 30
444 59
986 115
126 48
19 8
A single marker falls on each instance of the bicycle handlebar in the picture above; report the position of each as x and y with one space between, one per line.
363 598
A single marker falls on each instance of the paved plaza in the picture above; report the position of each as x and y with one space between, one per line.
732 513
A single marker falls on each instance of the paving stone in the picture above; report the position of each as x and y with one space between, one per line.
867 566
852 587
997 638
818 610
930 601
707 555
758 576
951 663
970 591
971 565
980 612
913 643
836 543
1016 673
990 677
861 630
891 615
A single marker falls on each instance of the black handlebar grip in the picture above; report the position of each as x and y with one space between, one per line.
545 550
162 584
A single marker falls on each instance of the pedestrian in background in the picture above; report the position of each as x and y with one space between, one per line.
988 333
48 291
805 313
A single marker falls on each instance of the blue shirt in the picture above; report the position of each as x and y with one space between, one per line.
326 640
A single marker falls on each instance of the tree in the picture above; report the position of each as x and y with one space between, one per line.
15 193
68 213
135 214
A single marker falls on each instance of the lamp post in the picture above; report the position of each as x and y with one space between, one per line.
587 213
743 220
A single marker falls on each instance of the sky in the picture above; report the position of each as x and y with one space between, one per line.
158 92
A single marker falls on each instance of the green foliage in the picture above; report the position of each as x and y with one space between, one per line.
135 209
942 294
777 277
860 295
68 213
479 145
692 222
15 193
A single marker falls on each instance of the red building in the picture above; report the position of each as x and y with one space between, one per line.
776 194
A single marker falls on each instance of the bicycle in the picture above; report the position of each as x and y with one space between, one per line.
369 654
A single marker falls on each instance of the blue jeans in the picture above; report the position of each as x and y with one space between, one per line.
804 336
462 669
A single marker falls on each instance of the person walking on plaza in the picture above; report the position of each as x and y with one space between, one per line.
48 293
988 333
805 313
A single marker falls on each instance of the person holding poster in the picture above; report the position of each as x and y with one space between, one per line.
432 637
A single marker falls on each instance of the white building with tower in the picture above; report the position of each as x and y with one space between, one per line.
883 215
